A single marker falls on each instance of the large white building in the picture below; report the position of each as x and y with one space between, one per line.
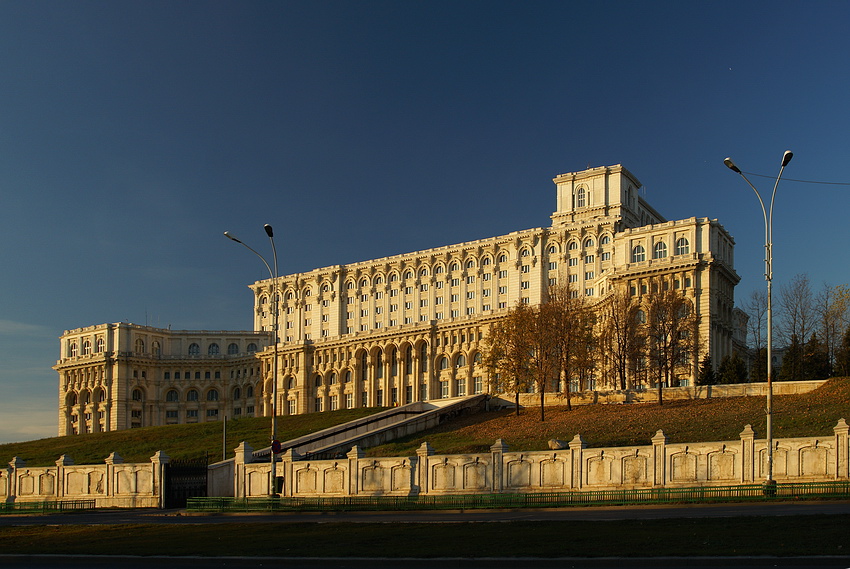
410 327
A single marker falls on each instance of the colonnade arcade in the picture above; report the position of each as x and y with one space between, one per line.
380 372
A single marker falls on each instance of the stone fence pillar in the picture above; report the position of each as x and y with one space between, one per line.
159 461
63 462
842 449
748 460
354 456
659 459
497 453
244 454
111 460
423 480
577 446
16 464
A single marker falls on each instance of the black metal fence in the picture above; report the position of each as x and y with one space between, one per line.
45 507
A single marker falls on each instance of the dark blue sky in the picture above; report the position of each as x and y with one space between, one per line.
132 134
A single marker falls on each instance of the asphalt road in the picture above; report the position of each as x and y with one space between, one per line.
107 517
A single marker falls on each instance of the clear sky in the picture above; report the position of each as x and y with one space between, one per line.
132 134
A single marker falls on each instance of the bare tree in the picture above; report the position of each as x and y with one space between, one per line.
671 330
620 334
832 306
756 308
797 310
507 352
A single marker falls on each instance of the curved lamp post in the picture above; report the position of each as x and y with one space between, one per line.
768 276
273 274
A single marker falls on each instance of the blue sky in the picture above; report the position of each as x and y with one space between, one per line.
132 134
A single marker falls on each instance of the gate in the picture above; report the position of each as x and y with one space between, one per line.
185 479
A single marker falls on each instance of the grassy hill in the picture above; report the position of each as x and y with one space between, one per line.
809 414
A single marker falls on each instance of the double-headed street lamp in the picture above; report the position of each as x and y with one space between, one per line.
275 445
768 276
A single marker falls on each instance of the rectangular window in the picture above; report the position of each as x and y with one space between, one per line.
470 310
503 305
379 309
325 317
553 282
485 292
470 295
486 276
553 266
573 262
526 268
192 414
408 320
478 385
588 292
438 300
167 375
317 405
379 295
292 408
470 280
485 307
423 392
212 413
455 282
308 307
364 312
349 400
524 300
606 256
423 287
525 285
393 307
423 303
350 300
455 297
573 278
439 284
334 402
408 305
393 322
444 389
408 290
588 258
394 292
237 411
249 410
348 315
588 275
364 327
364 399
423 318
439 316
455 313
503 290
379 398
503 274
461 388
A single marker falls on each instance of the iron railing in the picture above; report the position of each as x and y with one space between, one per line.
48 506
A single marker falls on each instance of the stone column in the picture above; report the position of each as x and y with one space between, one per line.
748 457
244 455
842 452
659 461
111 461
354 456
422 468
577 446
497 454
159 461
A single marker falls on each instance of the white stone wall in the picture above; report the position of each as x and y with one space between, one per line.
113 484
659 464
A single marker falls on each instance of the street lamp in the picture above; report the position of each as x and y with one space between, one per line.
770 483
273 274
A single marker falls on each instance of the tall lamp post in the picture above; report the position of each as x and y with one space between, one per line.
275 445
770 483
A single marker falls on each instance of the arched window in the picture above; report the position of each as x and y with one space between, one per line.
249 391
192 395
155 348
470 264
444 362
364 283
486 261
659 250
232 349
439 270
364 366
682 246
393 278
408 275
605 240
379 280
423 356
572 246
348 376
525 253
290 295
477 358
172 395
252 347
264 299
503 258
638 254
140 346
194 349
137 395
308 292
588 243
581 197
461 361
423 273
99 345
408 360
290 384
212 395
552 249
454 267
326 288
72 399
349 285
318 380
640 316
237 393
86 348
332 380
213 350
379 365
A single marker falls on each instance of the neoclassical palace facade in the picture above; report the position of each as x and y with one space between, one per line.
410 327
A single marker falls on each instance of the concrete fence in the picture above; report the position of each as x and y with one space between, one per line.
576 467
113 484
